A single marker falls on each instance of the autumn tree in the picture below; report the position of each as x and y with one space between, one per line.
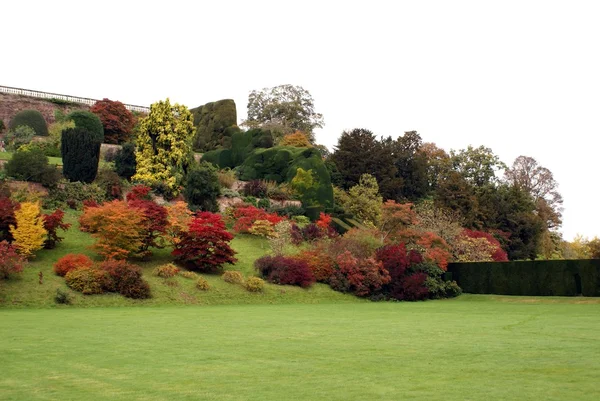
117 121
438 163
283 109
443 222
164 146
297 139
396 217
29 233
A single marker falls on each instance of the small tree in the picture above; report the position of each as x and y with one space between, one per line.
19 136
52 222
117 121
29 232
297 139
80 151
202 188
10 261
125 164
305 185
364 200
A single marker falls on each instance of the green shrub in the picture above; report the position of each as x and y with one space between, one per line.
233 277
166 271
32 166
90 122
2 126
18 137
80 151
125 164
110 183
264 203
62 297
48 148
202 188
226 178
215 122
88 281
202 284
255 284
229 193
30 118
73 194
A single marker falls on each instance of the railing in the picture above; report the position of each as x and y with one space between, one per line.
66 98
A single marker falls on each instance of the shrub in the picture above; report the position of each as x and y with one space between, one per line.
125 164
18 137
52 222
74 195
264 203
362 277
126 279
319 261
301 221
29 233
88 281
10 261
188 274
155 221
412 288
110 183
256 188
179 218
282 237
233 277
254 284
229 193
89 122
72 262
30 118
360 243
7 217
48 148
32 166
117 121
280 269
226 178
205 245
166 271
244 217
62 297
55 129
202 284
396 260
202 188
263 228
80 149
297 139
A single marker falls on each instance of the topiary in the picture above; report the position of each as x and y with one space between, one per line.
30 118
88 121
80 150
125 161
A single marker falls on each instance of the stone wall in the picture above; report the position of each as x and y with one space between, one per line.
12 104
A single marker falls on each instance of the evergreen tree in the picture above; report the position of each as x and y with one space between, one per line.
80 151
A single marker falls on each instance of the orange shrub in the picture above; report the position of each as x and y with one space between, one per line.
71 262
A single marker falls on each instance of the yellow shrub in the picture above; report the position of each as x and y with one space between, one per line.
255 284
202 284
29 234
233 277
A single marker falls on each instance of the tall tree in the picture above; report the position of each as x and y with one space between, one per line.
164 146
439 163
283 109
539 182
477 165
117 121
411 165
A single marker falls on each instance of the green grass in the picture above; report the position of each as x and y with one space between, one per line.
470 348
24 291
52 160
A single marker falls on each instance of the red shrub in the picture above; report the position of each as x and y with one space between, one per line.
324 221
396 259
205 246
10 261
7 217
285 270
139 192
126 279
319 261
52 222
411 288
117 121
71 262
499 254
245 216
155 221
362 277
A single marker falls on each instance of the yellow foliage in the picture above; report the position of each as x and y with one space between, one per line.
29 234
263 228
297 139
179 219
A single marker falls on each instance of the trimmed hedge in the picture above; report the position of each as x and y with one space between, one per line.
531 278
30 118
215 122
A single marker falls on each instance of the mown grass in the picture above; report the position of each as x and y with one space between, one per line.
470 348
24 291
51 160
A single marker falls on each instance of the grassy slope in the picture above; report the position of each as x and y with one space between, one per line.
25 291
470 348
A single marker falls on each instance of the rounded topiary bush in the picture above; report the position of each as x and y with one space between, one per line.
30 118
202 284
233 277
88 121
255 284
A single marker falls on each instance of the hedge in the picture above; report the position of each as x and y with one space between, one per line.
531 278
215 122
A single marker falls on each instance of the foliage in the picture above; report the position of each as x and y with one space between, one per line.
18 137
118 229
244 216
442 222
166 271
125 162
205 245
11 262
62 297
29 233
305 184
298 139
88 281
202 284
88 121
164 148
126 279
360 243
364 200
74 194
263 228
226 178
179 218
30 118
285 270
110 183
256 188
215 124
80 151
72 262
52 222
116 120
202 188
254 284
318 259
361 277
188 274
7 217
233 277
282 237
495 251
55 130
478 166
412 288
396 217
32 166
155 218
283 109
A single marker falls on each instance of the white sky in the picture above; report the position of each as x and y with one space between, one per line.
520 77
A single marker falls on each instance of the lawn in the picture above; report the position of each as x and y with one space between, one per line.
51 160
470 348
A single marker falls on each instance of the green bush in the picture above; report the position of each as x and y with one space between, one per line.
202 188
18 137
110 183
30 118
62 297
215 122
125 161
530 278
32 166
90 122
255 284
2 126
80 151
72 194
48 148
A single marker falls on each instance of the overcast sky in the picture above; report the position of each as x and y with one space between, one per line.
520 77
